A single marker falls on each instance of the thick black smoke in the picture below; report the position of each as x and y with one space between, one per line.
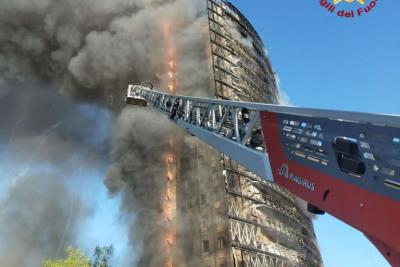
93 49
89 51
138 164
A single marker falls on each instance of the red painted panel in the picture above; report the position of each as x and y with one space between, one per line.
392 256
375 215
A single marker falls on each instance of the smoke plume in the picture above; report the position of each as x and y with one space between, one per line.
92 50
138 163
88 51
36 222
46 144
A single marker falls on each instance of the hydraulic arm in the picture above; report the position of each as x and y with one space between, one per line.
344 163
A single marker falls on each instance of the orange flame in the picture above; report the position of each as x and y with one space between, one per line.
169 204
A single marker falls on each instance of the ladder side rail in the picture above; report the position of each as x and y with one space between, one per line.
368 118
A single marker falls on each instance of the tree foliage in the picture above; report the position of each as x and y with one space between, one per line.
76 258
102 255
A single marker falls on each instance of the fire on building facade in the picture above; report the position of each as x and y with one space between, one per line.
228 216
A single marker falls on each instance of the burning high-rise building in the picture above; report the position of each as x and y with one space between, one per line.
193 206
228 216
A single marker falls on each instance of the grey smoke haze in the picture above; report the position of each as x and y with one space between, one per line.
90 51
36 220
46 140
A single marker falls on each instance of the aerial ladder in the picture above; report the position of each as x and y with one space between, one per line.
344 163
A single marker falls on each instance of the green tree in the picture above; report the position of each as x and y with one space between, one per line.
102 255
75 258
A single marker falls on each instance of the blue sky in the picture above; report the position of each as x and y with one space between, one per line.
325 61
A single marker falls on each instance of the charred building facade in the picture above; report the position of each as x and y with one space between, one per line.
233 218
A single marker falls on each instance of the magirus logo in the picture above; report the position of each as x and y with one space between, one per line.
284 171
349 8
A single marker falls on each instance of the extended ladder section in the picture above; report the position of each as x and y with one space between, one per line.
345 163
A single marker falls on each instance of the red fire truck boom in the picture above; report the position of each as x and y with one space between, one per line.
344 163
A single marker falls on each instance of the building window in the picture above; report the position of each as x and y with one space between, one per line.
202 199
206 246
189 248
204 223
186 184
218 220
221 242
